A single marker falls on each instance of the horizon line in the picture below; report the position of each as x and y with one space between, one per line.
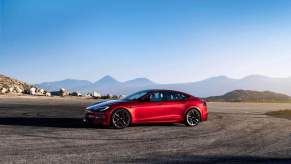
217 76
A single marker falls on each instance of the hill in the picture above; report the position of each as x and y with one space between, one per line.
7 82
251 96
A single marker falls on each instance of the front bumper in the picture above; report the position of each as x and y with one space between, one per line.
96 118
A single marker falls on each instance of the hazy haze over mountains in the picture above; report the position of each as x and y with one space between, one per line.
209 87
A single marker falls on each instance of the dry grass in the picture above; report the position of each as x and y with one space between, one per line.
286 113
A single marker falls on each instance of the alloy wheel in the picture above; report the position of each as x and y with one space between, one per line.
193 117
120 119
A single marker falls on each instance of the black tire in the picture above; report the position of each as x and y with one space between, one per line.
120 119
192 117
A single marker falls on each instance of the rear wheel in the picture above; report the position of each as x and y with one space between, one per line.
120 119
193 117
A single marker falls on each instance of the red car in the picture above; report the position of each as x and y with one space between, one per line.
148 106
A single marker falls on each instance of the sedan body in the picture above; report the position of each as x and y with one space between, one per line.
149 106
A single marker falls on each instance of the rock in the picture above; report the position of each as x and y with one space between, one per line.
3 90
40 91
18 90
48 94
32 91
11 89
63 92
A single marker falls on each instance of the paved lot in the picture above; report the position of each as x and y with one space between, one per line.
48 130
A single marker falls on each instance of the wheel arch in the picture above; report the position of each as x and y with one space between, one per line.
117 108
193 107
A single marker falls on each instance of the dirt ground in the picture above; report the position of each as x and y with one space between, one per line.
48 130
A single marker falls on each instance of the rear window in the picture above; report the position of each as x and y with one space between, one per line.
174 96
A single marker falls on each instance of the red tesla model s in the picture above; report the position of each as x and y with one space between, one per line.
148 106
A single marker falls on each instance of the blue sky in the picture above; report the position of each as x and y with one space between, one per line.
167 41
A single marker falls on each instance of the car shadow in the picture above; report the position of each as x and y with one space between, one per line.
63 122
44 122
158 124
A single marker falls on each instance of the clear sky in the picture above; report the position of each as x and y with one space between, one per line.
166 41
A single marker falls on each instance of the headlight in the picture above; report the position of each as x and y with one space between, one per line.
102 109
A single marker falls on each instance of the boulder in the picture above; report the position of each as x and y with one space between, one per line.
11 89
32 91
63 92
48 94
18 90
3 90
40 91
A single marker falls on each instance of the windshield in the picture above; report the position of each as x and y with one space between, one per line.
135 96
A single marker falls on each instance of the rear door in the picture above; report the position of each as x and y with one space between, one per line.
174 104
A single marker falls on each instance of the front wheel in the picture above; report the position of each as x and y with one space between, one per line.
193 117
120 119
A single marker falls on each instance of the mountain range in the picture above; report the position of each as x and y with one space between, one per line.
209 87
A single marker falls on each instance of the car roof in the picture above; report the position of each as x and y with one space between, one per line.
166 90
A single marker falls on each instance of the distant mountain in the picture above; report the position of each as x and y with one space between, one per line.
251 96
139 82
209 87
106 81
69 84
106 84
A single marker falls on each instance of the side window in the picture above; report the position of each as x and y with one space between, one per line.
181 96
156 97
174 96
169 96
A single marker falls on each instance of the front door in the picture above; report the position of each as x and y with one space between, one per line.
152 109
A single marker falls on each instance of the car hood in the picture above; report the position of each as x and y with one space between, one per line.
103 104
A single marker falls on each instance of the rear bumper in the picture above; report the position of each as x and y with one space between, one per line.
96 118
204 114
